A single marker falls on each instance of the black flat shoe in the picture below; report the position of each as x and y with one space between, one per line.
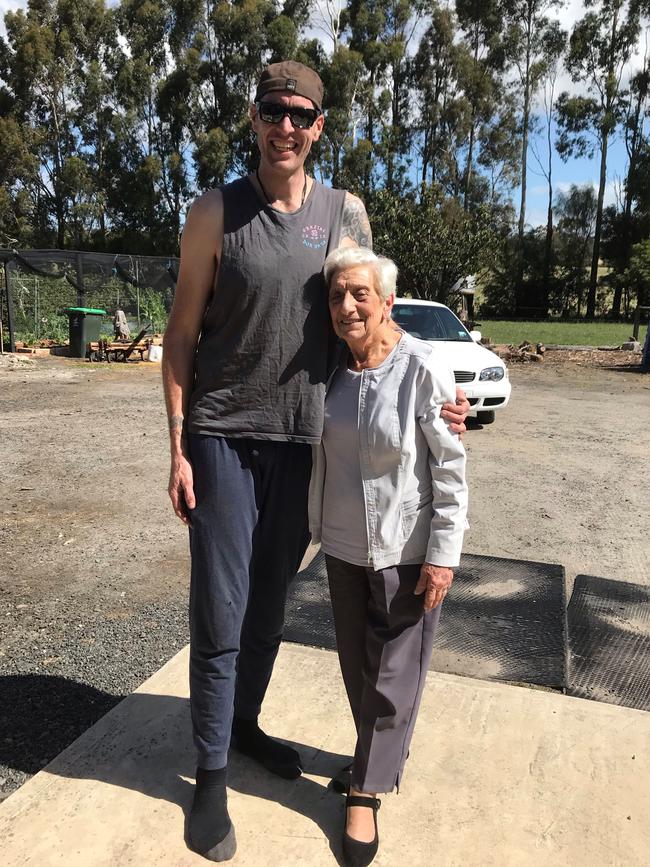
356 853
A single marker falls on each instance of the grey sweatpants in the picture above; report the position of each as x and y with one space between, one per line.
384 640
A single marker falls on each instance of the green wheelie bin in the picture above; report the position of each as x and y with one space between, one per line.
85 326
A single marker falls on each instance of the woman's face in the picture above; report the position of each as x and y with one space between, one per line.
355 306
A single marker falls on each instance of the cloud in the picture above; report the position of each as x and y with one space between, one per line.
536 216
612 188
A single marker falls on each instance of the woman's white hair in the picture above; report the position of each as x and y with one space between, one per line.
385 270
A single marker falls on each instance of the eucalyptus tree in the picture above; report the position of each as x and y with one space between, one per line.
22 222
402 20
529 29
137 159
97 108
380 31
235 40
554 47
173 142
600 47
442 119
481 23
45 60
577 215
500 150
635 141
342 76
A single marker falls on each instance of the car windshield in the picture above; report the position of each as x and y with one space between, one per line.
430 323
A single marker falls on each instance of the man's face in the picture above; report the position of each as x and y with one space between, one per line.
283 146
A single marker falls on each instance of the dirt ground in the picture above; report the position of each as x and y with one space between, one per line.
94 565
559 477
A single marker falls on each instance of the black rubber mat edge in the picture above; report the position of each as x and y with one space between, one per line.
609 661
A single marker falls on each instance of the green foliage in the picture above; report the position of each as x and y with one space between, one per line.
600 46
114 116
433 241
577 211
638 273
152 309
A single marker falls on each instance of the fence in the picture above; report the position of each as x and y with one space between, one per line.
38 285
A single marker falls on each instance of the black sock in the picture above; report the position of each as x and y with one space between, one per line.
276 757
209 823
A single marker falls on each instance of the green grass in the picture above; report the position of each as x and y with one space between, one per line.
566 333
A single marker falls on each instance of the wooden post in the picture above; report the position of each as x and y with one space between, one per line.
81 294
637 322
10 306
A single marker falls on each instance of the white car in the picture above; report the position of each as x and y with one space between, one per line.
480 373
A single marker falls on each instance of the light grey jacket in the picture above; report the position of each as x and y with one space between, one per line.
412 466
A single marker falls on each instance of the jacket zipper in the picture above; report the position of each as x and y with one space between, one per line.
363 487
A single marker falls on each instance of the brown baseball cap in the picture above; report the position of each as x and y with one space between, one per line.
294 77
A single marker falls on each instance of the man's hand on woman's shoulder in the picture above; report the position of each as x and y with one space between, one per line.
456 413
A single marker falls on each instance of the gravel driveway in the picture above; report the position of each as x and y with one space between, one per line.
93 564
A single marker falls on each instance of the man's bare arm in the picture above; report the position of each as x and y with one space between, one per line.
200 252
355 229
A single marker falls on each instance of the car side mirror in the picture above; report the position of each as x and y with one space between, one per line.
476 336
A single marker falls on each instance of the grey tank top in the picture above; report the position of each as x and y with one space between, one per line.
262 357
343 533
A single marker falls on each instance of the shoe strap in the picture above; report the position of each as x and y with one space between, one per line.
360 801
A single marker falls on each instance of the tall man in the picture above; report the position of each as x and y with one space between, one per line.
244 371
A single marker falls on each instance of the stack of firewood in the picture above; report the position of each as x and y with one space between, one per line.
525 352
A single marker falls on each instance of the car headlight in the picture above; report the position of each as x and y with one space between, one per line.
494 374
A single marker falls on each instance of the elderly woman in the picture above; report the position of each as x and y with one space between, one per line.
388 501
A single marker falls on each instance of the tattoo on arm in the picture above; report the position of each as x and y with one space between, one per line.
356 224
176 423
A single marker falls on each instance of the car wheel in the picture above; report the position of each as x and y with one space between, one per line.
485 417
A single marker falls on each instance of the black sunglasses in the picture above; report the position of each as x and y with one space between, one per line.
274 112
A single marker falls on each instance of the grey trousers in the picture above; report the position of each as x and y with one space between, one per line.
384 640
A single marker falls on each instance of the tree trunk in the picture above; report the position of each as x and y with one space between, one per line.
472 133
425 159
548 253
524 141
593 277
468 168
548 246
371 138
633 151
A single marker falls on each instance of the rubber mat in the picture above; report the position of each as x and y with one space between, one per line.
609 641
503 620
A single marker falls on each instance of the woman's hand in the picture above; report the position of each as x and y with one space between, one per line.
456 413
434 582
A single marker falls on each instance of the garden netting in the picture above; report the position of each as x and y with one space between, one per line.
44 283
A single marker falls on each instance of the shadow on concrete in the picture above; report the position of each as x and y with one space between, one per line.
145 744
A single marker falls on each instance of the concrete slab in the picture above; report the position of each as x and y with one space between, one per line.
498 775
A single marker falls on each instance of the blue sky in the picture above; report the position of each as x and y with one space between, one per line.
576 171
